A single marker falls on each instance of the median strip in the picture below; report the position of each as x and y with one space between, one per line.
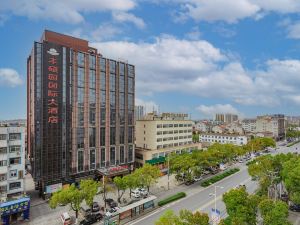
219 177
172 198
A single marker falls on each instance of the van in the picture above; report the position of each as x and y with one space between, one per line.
65 218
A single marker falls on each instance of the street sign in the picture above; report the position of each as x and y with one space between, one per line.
215 216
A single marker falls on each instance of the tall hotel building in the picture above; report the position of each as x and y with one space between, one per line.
80 112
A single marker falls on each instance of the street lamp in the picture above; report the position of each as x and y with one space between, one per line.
215 194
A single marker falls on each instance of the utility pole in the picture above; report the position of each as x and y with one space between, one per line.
168 172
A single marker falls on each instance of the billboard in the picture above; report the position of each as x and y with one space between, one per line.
53 188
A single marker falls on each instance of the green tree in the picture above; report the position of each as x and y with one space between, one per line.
241 207
106 188
89 188
132 182
70 195
274 212
168 218
148 175
121 184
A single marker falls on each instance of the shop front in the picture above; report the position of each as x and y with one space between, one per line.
17 210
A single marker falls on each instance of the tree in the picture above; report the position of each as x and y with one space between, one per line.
132 182
106 188
70 195
241 207
121 184
274 212
89 188
148 175
185 217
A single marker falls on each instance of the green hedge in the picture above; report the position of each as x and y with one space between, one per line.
291 144
172 198
219 177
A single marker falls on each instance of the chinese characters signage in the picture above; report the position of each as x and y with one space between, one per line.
13 207
53 75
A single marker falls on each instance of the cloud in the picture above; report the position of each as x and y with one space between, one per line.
231 11
194 34
198 68
211 110
128 17
293 30
9 77
63 10
149 106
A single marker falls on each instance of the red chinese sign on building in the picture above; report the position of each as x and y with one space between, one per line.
53 93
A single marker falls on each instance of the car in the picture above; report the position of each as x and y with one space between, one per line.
111 202
135 194
241 161
65 218
189 182
85 210
206 172
112 211
95 207
198 178
143 192
93 218
294 207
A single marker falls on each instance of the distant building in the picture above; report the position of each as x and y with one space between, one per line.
159 135
218 129
220 117
223 139
234 128
12 162
249 125
139 112
229 118
202 126
271 124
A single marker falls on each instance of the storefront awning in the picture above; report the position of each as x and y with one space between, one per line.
158 160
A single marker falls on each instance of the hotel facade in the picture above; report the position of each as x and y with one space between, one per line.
80 112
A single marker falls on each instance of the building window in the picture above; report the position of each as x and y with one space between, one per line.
92 137
130 71
3 177
130 85
102 64
139 156
122 83
92 62
102 116
102 136
130 117
102 81
112 66
92 79
80 116
80 77
80 161
130 153
14 136
14 148
112 82
3 137
112 136
13 173
3 163
122 116
122 135
130 134
80 59
14 185
92 116
3 189
15 161
159 126
102 159
122 154
112 117
3 150
92 159
130 102
80 137
112 155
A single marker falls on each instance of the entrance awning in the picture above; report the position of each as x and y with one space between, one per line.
158 160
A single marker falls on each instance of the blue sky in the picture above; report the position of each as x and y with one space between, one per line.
195 56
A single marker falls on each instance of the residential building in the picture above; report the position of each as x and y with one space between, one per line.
234 128
229 118
271 123
80 112
220 117
218 129
139 112
223 139
249 125
159 135
12 162
202 126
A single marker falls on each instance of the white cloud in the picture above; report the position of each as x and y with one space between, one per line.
9 77
149 106
200 69
293 30
211 110
194 34
128 17
63 10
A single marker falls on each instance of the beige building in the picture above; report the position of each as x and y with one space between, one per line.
271 124
159 135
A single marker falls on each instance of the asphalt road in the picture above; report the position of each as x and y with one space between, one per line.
203 200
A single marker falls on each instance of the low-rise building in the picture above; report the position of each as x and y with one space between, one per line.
159 135
223 139
249 125
12 162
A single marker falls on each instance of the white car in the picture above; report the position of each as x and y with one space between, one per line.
143 191
111 212
198 178
136 193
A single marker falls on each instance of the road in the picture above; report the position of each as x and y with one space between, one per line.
203 201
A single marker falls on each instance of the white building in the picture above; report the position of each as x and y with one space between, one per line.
12 161
202 126
249 125
139 112
223 139
159 135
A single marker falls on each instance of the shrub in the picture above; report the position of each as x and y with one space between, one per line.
219 177
172 198
293 143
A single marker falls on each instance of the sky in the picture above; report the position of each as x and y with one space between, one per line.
199 57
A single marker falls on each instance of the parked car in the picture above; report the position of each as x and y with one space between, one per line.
93 218
189 182
85 210
198 178
65 218
111 202
294 207
241 160
95 207
143 192
112 211
135 194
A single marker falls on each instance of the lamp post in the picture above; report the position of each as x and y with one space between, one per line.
168 172
215 195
